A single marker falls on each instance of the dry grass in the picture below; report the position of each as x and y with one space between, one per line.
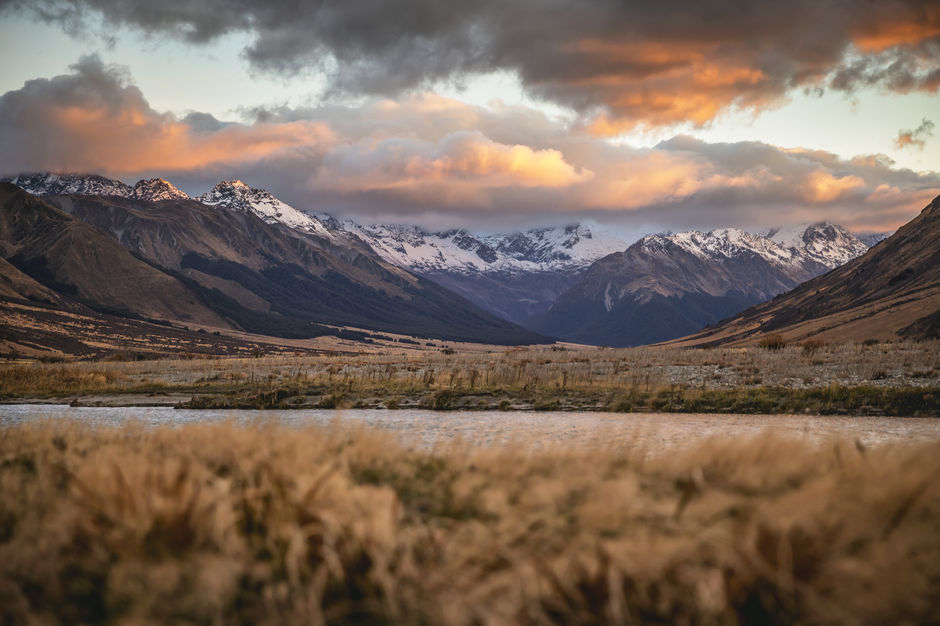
221 524
58 379
542 378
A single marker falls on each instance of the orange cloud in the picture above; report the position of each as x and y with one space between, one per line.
134 141
653 83
888 30
823 187
461 159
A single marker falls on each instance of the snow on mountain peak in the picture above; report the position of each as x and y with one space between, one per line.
50 184
156 189
560 248
824 242
236 195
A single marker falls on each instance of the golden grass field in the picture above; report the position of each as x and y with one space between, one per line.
901 378
220 524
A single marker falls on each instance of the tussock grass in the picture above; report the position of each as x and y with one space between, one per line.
57 379
214 523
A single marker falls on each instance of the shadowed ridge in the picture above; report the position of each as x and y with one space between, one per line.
268 278
83 264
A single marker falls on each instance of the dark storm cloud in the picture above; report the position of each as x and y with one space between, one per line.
617 63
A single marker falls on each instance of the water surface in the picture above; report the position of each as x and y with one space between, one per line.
652 431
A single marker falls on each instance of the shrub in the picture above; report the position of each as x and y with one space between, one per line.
810 346
773 341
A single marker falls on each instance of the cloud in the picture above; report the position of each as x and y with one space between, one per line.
917 137
463 161
619 65
94 119
432 160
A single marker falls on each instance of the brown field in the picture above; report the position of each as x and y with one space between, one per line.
225 524
872 378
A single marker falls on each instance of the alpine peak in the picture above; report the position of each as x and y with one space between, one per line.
156 189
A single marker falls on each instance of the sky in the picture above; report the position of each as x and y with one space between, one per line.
492 115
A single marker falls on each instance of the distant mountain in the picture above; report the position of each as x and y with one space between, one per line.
227 267
891 292
667 286
562 248
873 238
49 184
827 244
514 275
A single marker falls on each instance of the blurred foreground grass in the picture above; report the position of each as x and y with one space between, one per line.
215 523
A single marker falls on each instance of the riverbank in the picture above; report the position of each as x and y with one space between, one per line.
860 379
265 524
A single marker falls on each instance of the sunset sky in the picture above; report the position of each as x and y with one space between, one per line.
492 114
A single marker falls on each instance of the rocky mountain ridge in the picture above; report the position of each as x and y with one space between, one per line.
236 195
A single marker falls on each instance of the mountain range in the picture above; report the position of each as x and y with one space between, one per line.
667 286
221 266
257 264
513 275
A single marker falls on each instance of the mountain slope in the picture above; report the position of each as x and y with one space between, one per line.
664 287
81 263
271 279
892 291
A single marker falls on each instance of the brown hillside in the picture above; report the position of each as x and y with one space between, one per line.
51 250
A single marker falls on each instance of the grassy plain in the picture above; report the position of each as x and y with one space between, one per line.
872 378
215 523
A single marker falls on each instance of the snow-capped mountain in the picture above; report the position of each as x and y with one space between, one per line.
562 248
823 243
520 275
514 275
156 189
189 263
49 184
236 195
826 243
667 286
